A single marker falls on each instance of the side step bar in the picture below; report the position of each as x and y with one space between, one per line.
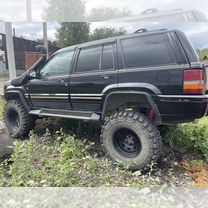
79 115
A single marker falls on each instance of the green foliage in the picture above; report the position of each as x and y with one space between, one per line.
191 136
74 10
106 13
64 10
101 33
72 33
50 43
55 158
60 160
75 32
1 109
202 53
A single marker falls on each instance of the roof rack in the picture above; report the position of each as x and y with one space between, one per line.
154 10
145 30
141 30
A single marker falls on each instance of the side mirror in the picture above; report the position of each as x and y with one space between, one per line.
32 75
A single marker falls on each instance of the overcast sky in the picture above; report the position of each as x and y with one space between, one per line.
196 32
15 10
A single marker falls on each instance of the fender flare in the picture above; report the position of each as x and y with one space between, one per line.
137 95
21 97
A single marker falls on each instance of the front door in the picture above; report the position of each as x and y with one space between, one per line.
93 72
51 88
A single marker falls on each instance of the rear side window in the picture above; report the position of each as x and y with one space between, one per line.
147 51
108 57
89 59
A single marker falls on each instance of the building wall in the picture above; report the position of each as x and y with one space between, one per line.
22 46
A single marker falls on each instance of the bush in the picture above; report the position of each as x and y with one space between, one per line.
191 136
60 160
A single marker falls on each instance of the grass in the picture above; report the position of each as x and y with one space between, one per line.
191 136
59 155
61 161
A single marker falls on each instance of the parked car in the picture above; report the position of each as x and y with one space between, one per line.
173 15
132 84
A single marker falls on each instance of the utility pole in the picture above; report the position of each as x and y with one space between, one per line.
10 50
29 10
45 36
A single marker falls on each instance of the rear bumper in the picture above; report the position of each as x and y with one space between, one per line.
181 108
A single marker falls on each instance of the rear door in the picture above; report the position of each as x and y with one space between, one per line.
153 59
95 69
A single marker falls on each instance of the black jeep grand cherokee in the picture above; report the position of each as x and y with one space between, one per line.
133 83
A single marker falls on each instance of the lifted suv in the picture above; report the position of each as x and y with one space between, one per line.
134 83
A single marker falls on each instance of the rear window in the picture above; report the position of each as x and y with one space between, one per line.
190 51
108 57
147 51
89 59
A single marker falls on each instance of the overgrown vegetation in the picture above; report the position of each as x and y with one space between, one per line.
61 160
191 136
62 153
202 53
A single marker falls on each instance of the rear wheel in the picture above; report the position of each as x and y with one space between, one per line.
17 119
133 139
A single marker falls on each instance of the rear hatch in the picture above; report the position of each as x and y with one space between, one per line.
194 78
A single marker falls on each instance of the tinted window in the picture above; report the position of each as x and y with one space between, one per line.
58 65
147 51
108 60
89 59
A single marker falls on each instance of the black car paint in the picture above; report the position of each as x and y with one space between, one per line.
88 91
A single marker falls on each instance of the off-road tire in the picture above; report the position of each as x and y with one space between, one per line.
147 132
26 121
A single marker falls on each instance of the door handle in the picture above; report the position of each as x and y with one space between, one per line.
107 76
62 80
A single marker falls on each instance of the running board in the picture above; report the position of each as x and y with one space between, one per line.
79 115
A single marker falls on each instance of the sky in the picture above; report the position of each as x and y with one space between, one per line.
196 32
15 10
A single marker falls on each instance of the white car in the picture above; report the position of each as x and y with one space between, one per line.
174 15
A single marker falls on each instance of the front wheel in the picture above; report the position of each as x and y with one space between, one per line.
19 123
132 139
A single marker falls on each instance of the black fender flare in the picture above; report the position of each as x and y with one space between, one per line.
20 95
113 99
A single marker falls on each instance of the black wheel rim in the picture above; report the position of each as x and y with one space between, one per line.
127 143
14 118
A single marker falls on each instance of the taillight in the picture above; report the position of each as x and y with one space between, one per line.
194 82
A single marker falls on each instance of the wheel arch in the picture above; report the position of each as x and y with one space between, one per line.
14 94
116 99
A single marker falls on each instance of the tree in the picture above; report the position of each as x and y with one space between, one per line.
202 53
64 11
101 33
72 33
106 13
50 43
